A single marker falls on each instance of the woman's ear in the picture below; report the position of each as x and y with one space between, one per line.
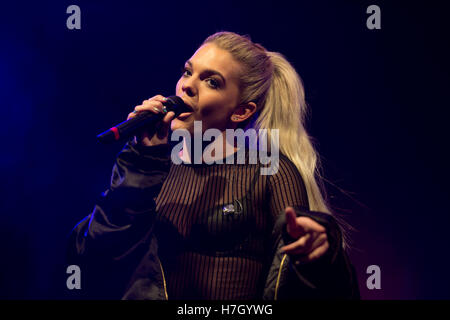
243 112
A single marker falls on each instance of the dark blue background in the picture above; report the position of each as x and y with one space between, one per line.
379 113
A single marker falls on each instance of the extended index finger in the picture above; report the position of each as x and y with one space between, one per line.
293 228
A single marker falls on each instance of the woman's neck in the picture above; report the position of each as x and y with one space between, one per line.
206 151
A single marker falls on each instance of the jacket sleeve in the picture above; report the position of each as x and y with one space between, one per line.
330 276
110 242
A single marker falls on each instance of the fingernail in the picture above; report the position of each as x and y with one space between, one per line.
156 109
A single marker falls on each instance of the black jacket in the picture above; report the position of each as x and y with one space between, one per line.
116 248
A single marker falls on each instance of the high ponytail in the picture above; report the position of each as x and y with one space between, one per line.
285 98
270 81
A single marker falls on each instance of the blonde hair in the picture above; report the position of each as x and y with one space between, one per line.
270 81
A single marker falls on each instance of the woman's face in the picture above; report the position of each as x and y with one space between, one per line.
210 85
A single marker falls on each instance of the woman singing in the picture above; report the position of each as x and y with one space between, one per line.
196 230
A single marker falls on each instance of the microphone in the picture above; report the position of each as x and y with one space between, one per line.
147 119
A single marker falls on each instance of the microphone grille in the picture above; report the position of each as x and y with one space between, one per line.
177 105
175 100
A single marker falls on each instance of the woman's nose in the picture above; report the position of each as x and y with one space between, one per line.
189 87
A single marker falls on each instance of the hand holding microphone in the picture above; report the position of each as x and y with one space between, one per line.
158 134
149 122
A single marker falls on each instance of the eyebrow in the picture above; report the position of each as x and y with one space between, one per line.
208 71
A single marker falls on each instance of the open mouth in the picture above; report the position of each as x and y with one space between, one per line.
184 115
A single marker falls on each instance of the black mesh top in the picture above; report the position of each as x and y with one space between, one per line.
214 224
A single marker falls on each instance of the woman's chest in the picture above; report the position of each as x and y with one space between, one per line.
220 203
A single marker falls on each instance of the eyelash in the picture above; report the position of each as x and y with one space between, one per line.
214 85
183 71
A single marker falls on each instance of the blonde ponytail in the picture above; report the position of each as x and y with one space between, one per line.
270 81
285 98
